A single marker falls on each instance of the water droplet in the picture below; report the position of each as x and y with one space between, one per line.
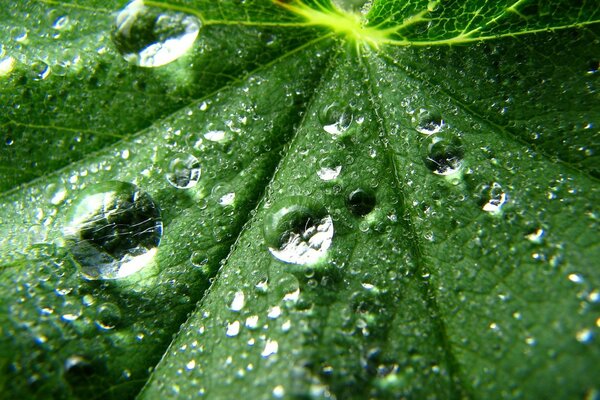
152 37
444 156
216 136
233 329
61 22
114 230
184 171
252 322
274 312
576 278
361 202
271 347
495 198
329 174
190 365
238 302
428 122
108 316
278 392
7 65
536 236
298 231
584 336
336 119
39 70
227 199
78 370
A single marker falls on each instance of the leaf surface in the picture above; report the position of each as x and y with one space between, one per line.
394 202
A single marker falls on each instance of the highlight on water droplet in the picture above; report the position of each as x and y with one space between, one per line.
298 231
444 155
336 119
183 171
114 230
152 37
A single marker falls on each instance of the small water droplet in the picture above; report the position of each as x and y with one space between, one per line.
190 365
361 202
584 336
336 119
298 231
233 329
536 236
227 199
216 136
428 122
329 174
238 302
152 37
271 347
252 322
7 65
274 312
114 230
444 156
108 316
78 370
61 22
495 198
183 171
278 392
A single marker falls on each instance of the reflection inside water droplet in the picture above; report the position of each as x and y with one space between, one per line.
114 230
298 231
183 171
152 37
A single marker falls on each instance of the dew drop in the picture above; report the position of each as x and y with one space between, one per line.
495 198
336 119
428 122
61 22
271 347
329 174
444 156
108 316
151 37
298 231
233 329
183 171
114 230
216 136
78 370
238 302
361 202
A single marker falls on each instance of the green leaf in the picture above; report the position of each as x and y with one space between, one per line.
387 200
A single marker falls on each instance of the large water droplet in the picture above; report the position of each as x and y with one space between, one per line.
336 119
114 230
151 37
444 156
183 171
298 231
